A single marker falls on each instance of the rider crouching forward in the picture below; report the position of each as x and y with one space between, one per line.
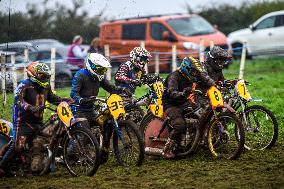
85 88
31 95
178 85
130 73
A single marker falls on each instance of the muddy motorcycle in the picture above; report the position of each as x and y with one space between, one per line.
133 107
109 120
80 149
260 124
222 132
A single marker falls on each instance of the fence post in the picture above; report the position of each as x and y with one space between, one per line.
3 87
142 44
243 60
174 58
26 60
211 44
52 68
157 66
201 50
14 72
107 55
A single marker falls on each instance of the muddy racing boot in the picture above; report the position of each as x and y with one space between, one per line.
168 149
104 155
37 158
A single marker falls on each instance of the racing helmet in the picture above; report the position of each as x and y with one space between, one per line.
97 65
186 70
217 58
139 57
39 73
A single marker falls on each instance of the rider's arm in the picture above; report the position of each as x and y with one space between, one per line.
52 98
76 87
172 89
121 74
202 74
109 87
20 97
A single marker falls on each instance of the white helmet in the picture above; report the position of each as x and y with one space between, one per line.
97 65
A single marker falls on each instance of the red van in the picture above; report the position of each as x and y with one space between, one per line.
160 33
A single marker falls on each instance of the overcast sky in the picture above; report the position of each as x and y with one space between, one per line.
122 8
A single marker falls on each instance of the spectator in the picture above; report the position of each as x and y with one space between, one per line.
76 54
95 46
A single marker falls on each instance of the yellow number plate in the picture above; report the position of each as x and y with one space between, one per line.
159 89
157 110
4 127
64 113
115 105
242 90
215 97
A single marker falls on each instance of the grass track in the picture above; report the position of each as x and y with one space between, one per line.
262 169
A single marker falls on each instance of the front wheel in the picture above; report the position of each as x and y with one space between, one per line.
81 152
128 144
261 128
225 136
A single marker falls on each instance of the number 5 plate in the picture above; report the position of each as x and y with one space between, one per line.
5 127
215 97
115 105
242 90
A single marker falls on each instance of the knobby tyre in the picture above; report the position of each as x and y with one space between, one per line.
226 136
81 153
129 146
261 128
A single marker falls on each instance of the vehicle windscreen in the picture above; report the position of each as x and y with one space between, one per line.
191 26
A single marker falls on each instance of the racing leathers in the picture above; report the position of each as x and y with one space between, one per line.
128 76
178 85
27 116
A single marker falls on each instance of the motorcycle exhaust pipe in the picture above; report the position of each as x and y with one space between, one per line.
153 151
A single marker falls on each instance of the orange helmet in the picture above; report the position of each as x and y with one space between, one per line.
39 73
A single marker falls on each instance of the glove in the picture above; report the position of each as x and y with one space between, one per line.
137 82
87 100
68 100
34 109
186 91
126 91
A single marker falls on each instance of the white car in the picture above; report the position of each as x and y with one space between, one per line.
264 37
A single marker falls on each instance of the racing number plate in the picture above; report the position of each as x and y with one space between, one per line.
215 97
159 89
115 105
242 90
4 128
64 113
157 110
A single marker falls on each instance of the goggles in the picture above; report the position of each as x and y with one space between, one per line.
98 69
43 76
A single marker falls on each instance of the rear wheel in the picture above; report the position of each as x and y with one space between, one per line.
226 136
261 128
128 144
81 152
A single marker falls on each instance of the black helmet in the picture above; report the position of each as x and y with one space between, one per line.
217 57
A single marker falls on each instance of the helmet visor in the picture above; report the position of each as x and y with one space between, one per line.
144 58
43 77
97 68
